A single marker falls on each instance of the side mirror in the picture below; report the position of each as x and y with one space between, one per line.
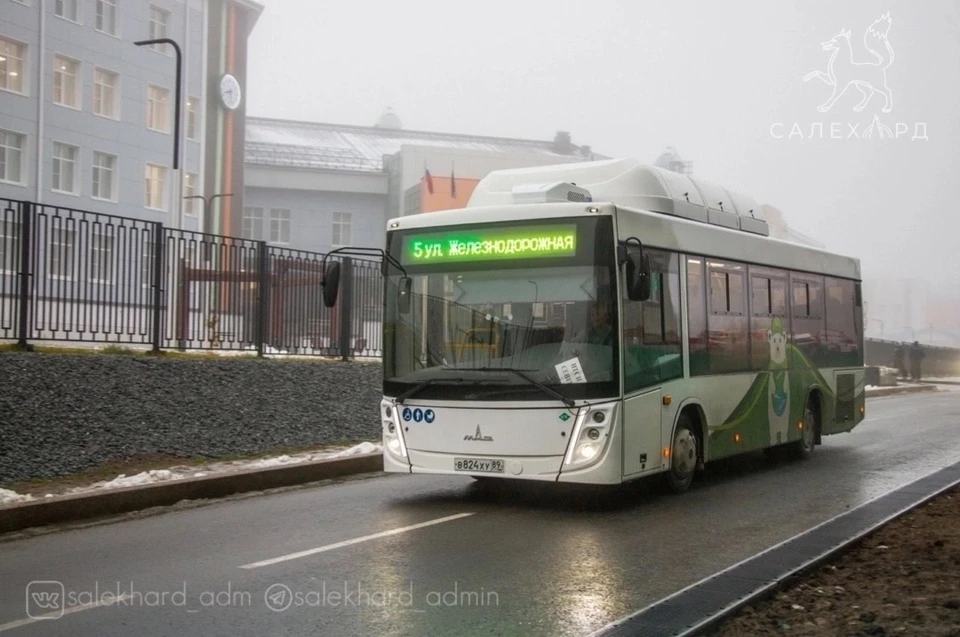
331 284
403 294
638 277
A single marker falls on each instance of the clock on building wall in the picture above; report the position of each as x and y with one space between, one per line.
229 91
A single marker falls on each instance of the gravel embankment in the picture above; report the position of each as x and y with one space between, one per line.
61 413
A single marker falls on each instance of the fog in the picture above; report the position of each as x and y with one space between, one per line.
721 82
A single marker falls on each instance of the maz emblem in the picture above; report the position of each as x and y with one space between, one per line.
478 436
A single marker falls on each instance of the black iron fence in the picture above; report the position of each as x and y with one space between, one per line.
80 276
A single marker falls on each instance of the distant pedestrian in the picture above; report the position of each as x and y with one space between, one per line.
898 361
916 355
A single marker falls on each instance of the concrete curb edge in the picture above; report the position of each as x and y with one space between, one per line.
73 508
893 391
763 592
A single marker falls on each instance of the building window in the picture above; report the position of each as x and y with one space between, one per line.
67 9
11 157
62 242
105 93
190 206
280 225
66 89
107 16
341 229
252 223
101 258
65 168
157 99
155 180
11 65
104 176
158 27
192 118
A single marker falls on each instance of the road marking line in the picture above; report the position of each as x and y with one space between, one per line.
330 547
57 615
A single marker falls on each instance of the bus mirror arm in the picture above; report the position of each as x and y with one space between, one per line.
330 277
638 269
403 294
638 277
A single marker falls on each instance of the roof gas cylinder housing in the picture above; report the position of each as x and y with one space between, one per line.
550 192
626 183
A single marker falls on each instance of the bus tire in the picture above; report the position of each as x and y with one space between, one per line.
683 456
803 448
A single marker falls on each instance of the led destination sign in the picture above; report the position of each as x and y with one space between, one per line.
490 244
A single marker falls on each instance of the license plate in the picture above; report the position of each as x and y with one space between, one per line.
479 465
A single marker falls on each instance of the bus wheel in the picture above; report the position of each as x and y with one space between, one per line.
683 457
803 448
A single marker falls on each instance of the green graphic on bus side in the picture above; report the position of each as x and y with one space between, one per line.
775 402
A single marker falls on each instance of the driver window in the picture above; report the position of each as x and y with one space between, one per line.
651 329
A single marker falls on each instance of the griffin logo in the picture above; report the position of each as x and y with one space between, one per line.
478 436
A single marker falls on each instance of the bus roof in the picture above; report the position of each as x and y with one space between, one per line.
626 183
669 210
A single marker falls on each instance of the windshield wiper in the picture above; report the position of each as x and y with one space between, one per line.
569 402
416 389
430 381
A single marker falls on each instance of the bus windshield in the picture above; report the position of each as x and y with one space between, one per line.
506 329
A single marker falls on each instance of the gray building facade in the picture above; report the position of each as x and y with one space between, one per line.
87 117
318 186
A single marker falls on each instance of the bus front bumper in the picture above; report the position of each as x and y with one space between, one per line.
542 468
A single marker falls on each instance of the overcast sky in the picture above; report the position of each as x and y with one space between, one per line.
720 81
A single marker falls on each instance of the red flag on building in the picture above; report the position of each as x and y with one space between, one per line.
429 179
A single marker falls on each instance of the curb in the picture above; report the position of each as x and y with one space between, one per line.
706 604
83 506
893 391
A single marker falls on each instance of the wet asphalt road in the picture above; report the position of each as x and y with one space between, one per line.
527 562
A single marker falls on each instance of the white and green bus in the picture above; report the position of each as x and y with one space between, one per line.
605 321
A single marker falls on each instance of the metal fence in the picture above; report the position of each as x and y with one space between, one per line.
86 277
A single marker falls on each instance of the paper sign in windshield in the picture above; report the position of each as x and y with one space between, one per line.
570 371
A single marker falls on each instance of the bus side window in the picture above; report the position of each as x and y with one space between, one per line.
768 316
651 329
727 321
697 311
808 322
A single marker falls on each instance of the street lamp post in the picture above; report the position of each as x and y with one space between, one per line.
176 113
206 208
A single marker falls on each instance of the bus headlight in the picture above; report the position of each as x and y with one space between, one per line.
392 432
591 432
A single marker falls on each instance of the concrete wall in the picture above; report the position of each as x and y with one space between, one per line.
938 361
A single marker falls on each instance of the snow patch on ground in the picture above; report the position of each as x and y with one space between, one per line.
12 497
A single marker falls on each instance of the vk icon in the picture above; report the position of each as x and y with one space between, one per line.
406 413
428 415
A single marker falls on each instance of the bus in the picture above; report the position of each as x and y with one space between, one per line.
606 321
